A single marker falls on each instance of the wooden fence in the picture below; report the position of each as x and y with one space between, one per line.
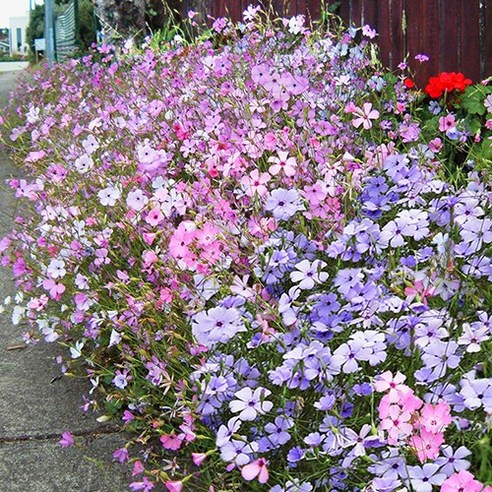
455 34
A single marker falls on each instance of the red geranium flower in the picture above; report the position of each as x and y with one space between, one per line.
446 82
409 83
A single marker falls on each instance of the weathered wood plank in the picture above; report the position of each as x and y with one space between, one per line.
470 39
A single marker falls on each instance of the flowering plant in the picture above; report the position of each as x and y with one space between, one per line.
459 115
446 83
254 252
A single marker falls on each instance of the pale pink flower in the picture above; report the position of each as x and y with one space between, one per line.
198 458
282 163
154 217
433 418
55 289
257 468
255 183
364 116
446 122
462 481
394 385
397 424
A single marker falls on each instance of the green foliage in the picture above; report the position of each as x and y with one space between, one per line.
474 97
35 29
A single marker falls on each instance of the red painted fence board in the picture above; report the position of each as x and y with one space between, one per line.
455 34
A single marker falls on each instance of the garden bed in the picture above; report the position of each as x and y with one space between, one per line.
264 254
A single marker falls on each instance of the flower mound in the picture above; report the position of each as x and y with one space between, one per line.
254 251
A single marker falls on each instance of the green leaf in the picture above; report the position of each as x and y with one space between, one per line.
473 99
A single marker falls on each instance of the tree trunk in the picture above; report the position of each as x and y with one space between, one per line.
121 18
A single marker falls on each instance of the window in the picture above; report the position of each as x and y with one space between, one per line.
19 38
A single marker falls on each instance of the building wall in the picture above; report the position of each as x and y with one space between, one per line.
17 31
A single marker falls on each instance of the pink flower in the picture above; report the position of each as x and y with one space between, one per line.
395 385
426 445
396 423
154 217
172 441
418 290
446 122
435 145
257 468
462 481
282 163
138 468
67 440
410 402
198 458
435 417
174 485
55 289
255 183
365 115
270 141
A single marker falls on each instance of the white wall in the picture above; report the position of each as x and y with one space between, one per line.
18 23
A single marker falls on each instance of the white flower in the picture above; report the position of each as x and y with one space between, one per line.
90 144
83 164
296 24
32 115
308 274
109 196
56 269
76 351
115 338
18 314
251 403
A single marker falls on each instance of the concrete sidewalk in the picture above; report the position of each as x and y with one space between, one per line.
36 406
13 66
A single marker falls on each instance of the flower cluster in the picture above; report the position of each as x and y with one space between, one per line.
255 251
446 82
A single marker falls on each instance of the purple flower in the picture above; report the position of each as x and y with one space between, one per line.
348 281
314 439
477 393
218 324
284 203
453 461
440 356
307 274
346 356
225 432
325 403
385 484
423 478
277 432
351 438
121 455
121 378
238 452
390 467
67 440
144 485
294 455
